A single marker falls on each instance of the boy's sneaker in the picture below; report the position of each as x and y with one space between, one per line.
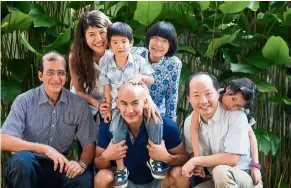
120 180
156 168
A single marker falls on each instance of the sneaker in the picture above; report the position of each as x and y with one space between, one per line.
120 180
157 170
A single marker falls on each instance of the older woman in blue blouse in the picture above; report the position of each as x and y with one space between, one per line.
161 45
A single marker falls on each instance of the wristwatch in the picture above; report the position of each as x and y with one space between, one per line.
256 165
83 165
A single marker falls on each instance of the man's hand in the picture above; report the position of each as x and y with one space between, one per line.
73 169
115 151
157 152
57 157
188 169
256 175
199 171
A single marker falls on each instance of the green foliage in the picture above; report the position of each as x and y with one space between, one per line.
267 141
16 20
147 11
277 50
229 39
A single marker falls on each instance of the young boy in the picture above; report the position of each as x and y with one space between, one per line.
116 69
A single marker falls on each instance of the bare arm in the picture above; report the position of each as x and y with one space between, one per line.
175 157
107 93
254 145
147 79
79 88
14 144
194 133
216 159
113 152
88 153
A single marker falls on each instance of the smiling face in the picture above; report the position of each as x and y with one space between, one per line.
131 102
96 39
233 101
120 46
203 96
158 47
53 77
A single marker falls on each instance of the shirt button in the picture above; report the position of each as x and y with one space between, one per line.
51 139
53 125
54 111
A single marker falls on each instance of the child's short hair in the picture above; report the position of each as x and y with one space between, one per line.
165 30
119 29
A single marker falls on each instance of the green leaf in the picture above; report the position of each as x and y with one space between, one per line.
29 47
229 7
269 17
62 39
257 59
78 4
185 73
277 50
267 141
18 67
203 5
9 90
277 99
186 48
287 17
217 42
283 185
229 56
254 5
147 11
16 20
244 68
23 6
264 87
40 19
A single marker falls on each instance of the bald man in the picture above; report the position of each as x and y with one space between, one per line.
132 97
224 145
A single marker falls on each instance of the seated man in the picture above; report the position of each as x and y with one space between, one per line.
40 129
223 137
138 149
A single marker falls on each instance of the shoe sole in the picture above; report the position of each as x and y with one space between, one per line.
121 186
155 176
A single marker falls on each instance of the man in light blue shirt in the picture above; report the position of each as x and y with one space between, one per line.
223 137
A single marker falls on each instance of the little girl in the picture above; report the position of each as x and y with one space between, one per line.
239 95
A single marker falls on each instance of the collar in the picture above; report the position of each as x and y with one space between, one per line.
217 115
130 60
42 98
161 62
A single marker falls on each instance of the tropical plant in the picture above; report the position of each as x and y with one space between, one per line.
228 39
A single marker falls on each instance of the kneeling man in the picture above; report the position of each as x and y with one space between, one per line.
138 148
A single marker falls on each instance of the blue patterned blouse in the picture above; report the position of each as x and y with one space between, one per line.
164 91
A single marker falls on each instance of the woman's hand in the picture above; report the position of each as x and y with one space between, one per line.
152 111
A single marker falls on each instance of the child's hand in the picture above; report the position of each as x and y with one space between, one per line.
107 117
137 77
256 175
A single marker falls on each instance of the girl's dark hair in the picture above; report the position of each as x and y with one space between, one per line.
119 29
246 87
81 54
165 30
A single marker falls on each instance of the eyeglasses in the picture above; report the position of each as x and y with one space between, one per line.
161 40
59 73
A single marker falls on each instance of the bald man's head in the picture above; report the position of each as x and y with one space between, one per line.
202 92
132 98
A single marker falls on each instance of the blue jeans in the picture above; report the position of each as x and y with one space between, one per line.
24 170
119 129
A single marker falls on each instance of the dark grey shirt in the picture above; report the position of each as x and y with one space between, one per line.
33 118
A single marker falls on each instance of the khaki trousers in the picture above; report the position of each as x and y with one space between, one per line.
228 177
